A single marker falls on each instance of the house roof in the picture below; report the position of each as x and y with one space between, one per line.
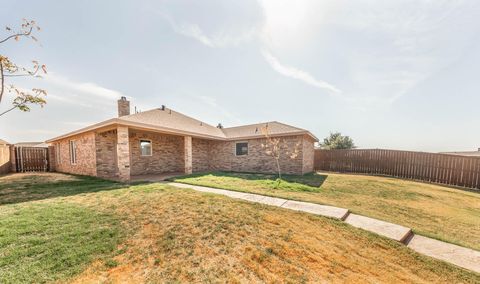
3 142
275 128
171 119
172 122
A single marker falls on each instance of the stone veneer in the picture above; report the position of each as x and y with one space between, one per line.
98 155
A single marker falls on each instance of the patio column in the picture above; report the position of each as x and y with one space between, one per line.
188 154
123 153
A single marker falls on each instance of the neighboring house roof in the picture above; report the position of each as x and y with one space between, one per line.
171 122
464 153
31 144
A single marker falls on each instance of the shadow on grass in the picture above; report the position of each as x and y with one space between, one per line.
34 187
312 179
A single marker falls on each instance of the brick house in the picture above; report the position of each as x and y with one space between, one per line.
162 141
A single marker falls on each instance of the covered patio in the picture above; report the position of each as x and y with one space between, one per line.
152 155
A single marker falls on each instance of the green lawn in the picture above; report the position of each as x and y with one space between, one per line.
68 229
440 212
52 242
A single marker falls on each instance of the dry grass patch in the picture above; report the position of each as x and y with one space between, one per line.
185 236
440 212
153 233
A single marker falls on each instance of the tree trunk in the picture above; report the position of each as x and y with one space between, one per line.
278 168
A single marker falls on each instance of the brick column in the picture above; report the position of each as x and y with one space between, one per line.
13 160
188 154
52 158
123 153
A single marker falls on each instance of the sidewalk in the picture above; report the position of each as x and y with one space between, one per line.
460 256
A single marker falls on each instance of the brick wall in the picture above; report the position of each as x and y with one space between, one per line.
86 156
308 154
97 155
167 153
222 156
5 163
200 155
106 152
51 159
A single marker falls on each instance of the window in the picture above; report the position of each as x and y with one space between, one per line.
241 148
146 147
73 152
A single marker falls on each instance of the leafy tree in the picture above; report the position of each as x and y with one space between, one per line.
23 98
337 141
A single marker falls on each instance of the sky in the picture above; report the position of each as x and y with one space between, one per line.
390 74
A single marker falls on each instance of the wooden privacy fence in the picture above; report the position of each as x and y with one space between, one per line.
437 168
31 159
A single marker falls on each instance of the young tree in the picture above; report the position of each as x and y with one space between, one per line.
23 98
337 141
277 147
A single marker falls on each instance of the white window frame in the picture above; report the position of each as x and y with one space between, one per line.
241 142
151 147
72 146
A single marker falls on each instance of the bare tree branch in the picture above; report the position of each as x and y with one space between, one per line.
8 110
23 99
2 81
16 35
29 73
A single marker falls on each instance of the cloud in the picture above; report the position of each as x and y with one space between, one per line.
298 74
86 88
212 102
222 38
62 90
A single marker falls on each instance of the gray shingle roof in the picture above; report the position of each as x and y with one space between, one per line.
171 119
258 129
172 122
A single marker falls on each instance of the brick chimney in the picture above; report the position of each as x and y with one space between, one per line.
123 107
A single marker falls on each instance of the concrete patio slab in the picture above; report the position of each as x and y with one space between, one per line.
155 177
324 210
460 256
389 230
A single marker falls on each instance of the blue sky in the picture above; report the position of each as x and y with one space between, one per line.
391 74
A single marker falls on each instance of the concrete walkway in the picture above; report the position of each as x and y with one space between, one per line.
460 256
